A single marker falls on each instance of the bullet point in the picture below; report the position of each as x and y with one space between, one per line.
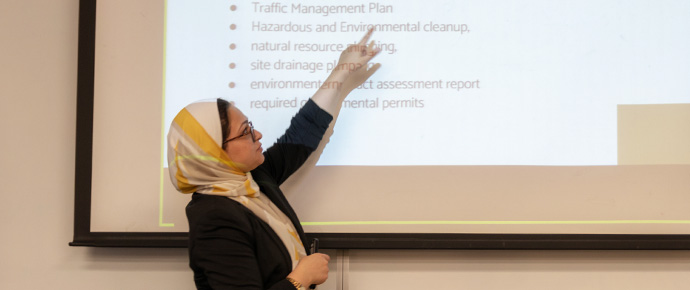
233 8
232 65
232 46
231 85
233 26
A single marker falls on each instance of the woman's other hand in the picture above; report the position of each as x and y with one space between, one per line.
312 269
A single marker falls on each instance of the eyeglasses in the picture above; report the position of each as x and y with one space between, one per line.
247 131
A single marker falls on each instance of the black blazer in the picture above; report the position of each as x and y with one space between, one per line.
229 246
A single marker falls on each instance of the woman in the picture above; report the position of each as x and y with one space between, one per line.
243 233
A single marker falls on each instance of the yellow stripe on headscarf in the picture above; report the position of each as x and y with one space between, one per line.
294 235
297 256
196 132
248 187
182 182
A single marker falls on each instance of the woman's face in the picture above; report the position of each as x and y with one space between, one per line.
244 151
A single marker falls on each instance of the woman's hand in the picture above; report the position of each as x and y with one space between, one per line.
356 56
352 70
312 269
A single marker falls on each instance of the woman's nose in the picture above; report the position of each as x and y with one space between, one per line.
258 135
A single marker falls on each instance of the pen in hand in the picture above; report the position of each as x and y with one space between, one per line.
314 248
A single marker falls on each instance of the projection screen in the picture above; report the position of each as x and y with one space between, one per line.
530 121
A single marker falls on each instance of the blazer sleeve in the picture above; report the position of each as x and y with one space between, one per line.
300 139
223 254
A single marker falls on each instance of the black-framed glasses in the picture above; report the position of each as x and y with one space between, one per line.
248 131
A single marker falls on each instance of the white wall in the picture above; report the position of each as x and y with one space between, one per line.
38 69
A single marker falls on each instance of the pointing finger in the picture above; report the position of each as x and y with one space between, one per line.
366 37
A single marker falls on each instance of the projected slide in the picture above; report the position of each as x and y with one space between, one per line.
486 116
462 82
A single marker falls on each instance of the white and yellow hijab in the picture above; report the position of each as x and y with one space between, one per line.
198 163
